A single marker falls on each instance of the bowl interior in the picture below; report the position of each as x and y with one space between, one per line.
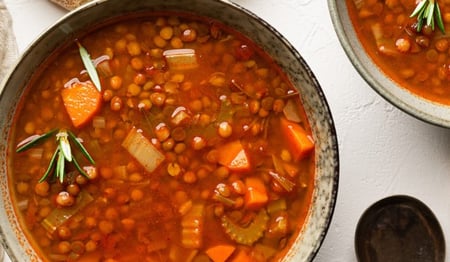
316 107
410 103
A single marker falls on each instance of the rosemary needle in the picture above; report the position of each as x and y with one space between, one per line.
63 153
428 11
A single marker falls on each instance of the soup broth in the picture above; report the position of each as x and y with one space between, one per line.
200 148
418 60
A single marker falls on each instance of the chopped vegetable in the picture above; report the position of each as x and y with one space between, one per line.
285 183
90 67
299 142
181 59
278 225
82 101
291 111
60 215
220 253
278 164
277 205
246 235
143 150
180 116
222 199
192 227
103 66
256 194
241 256
180 254
234 156
385 46
226 111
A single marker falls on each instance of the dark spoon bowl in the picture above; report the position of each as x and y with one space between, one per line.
397 229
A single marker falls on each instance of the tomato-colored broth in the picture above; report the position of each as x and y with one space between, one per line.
418 61
201 153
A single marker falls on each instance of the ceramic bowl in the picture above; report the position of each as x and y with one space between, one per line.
327 162
410 103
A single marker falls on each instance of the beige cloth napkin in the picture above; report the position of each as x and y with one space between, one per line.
8 46
70 4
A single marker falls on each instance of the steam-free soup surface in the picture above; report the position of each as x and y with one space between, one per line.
201 150
415 57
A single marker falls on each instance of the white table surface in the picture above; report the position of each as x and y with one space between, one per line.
383 151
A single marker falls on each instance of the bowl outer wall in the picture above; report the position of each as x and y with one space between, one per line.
318 112
416 106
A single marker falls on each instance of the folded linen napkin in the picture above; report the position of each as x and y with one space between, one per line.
70 4
8 46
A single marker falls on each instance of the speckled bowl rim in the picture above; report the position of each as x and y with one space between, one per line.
327 161
425 110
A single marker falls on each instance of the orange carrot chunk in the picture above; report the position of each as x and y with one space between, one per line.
256 194
234 156
299 142
220 253
82 101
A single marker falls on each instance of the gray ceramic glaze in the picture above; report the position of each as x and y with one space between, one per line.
327 169
410 103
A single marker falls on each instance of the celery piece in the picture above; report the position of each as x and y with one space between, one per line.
60 215
143 150
192 226
181 59
246 235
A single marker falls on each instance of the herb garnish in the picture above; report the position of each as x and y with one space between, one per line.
90 67
62 154
428 11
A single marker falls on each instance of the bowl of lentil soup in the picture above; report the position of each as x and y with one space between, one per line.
400 55
164 131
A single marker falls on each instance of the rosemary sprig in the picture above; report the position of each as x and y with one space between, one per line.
90 67
62 154
428 11
33 140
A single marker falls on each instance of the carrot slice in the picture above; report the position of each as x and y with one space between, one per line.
220 253
299 142
234 156
82 101
256 194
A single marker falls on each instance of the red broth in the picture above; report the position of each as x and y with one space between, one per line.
201 149
418 61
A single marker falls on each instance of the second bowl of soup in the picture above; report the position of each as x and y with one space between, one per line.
402 57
